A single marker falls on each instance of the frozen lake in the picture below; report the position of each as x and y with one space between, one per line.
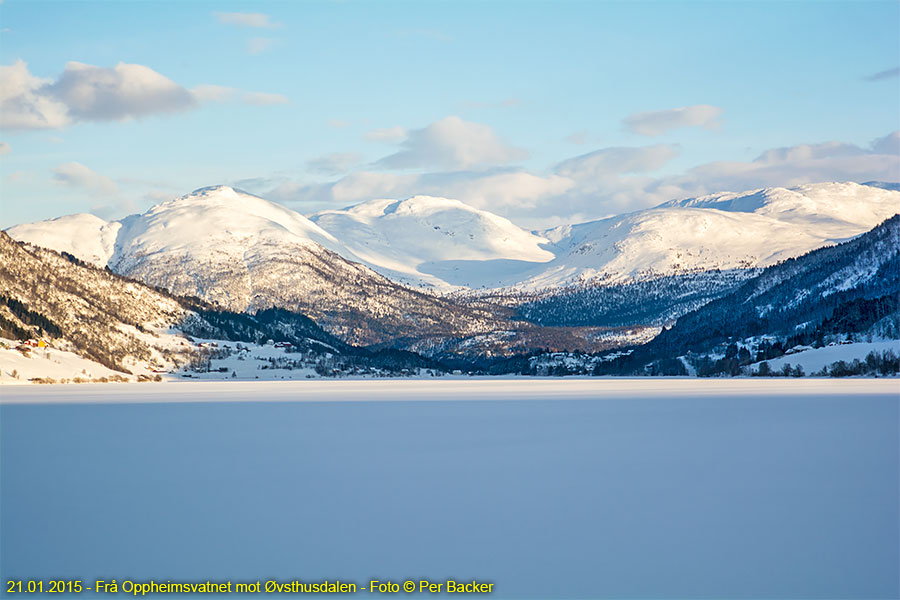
547 488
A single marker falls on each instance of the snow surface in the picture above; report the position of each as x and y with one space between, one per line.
724 231
84 236
230 361
814 359
18 369
60 364
832 206
435 241
548 488
216 220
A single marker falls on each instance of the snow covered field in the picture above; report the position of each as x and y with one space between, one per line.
592 488
814 359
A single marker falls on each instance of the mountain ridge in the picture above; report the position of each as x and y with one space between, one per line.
244 253
445 245
423 240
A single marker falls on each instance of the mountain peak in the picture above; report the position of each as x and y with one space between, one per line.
435 241
218 191
414 205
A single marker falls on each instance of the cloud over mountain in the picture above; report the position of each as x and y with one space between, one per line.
600 183
799 164
77 175
660 121
606 161
334 163
452 143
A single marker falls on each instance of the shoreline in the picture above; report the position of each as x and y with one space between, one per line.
467 389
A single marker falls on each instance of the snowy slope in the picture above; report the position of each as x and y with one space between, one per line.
435 241
212 242
814 360
212 220
119 324
725 231
837 209
18 368
84 236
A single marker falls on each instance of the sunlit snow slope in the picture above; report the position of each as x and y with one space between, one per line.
84 236
723 231
435 241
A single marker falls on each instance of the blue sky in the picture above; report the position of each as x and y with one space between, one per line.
545 112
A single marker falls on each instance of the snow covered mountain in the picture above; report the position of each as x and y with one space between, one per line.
84 236
64 320
830 295
722 231
445 243
435 241
242 252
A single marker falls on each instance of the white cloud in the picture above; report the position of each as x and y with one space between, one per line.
77 175
806 152
578 137
255 20
123 92
214 93
24 103
889 144
352 188
335 163
388 134
338 123
157 196
608 192
501 191
505 191
659 121
4 148
263 99
259 45
89 93
796 165
452 143
86 93
607 161
219 93
600 183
